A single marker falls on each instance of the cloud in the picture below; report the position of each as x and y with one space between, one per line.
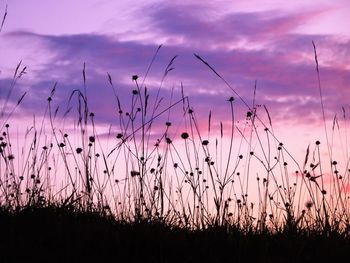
242 47
197 25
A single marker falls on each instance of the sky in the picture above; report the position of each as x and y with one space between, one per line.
267 43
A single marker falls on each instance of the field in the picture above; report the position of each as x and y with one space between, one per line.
162 185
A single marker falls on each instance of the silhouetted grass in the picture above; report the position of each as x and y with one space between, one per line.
57 234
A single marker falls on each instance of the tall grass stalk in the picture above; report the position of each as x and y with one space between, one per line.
163 166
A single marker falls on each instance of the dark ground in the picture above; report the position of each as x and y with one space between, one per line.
60 235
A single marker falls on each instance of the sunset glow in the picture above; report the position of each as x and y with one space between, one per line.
263 50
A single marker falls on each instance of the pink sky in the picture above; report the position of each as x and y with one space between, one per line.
245 41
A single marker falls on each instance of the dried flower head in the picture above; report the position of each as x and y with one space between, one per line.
308 204
184 135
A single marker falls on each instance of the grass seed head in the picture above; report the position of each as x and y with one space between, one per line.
184 135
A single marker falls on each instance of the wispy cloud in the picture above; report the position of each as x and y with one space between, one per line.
243 47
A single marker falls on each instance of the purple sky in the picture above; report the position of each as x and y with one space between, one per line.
245 41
